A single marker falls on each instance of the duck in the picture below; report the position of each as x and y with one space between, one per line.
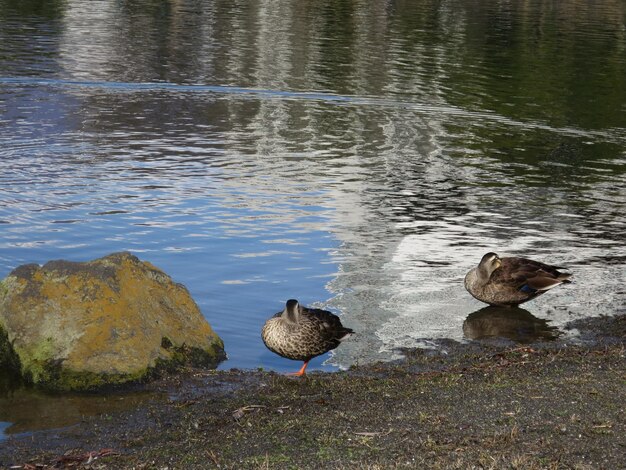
508 282
302 333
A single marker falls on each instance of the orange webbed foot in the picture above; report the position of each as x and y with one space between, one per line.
301 372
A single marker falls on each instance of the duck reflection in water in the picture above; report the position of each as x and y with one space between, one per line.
513 323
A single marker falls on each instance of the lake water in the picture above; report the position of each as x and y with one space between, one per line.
358 156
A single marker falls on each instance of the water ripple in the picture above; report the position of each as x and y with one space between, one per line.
616 135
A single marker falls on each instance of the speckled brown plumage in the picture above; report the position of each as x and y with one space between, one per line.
302 333
511 281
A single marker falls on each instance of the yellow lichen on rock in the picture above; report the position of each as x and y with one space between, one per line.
116 317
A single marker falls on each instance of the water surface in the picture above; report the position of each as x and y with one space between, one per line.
359 156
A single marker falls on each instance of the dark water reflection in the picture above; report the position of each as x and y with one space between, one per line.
357 155
515 324
24 410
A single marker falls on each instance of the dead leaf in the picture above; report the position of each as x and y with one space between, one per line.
240 412
372 434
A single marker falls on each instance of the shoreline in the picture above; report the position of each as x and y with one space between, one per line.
483 404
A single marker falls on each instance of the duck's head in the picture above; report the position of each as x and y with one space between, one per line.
489 263
292 311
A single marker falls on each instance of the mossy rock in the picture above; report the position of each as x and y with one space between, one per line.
78 326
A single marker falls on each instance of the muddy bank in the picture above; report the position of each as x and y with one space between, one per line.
486 405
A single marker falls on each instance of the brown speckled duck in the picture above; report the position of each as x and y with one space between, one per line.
301 333
511 281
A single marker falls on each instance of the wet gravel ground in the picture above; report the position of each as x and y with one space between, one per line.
485 405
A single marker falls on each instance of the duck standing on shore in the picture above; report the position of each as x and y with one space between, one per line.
511 281
302 333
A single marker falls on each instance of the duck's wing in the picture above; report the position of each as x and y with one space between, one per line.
329 324
526 274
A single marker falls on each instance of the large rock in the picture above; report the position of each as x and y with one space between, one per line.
78 326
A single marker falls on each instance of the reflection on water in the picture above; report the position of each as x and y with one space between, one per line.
357 156
516 324
23 409
27 410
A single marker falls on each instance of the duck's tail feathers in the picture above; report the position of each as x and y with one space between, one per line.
346 333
